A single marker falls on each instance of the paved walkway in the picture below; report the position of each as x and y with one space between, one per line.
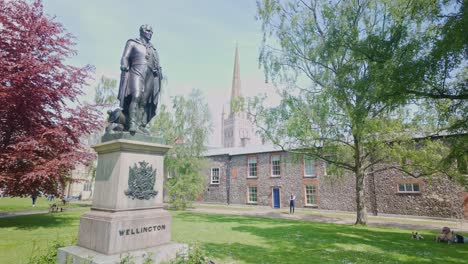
324 216
11 214
315 215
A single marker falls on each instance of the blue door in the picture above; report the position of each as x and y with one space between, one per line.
276 198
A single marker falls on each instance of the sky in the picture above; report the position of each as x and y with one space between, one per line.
195 39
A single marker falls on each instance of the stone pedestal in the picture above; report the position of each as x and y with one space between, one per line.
126 213
159 254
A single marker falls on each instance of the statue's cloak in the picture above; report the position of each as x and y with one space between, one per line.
124 95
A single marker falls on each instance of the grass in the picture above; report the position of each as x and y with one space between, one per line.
17 204
23 235
240 239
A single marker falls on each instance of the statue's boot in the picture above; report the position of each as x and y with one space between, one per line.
132 116
142 128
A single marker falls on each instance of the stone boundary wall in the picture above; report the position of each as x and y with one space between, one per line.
439 197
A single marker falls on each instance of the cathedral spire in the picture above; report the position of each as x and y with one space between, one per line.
236 83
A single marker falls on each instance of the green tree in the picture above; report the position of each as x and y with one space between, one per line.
443 77
187 129
341 63
105 92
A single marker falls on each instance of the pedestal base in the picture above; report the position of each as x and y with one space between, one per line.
116 232
80 255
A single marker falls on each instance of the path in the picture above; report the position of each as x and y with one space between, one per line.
315 215
324 216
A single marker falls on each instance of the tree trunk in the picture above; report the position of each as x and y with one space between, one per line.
361 214
373 195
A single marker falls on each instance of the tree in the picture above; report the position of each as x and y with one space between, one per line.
443 77
341 63
40 131
187 129
106 92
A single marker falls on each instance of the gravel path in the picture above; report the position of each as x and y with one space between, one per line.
404 222
323 216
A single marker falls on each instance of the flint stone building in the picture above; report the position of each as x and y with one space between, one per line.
246 172
264 175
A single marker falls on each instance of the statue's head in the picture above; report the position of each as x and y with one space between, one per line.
146 31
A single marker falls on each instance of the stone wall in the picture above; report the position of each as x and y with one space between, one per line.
338 193
217 193
439 197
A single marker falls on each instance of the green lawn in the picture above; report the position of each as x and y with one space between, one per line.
239 239
16 204
21 235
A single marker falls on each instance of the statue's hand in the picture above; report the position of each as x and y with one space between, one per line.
124 68
156 73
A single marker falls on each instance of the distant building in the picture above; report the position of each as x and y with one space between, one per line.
82 184
246 172
237 129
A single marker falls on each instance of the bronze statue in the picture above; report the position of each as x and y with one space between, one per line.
140 82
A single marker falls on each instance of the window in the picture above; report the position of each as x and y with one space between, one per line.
408 188
87 186
309 167
275 165
325 169
214 175
310 195
252 164
252 194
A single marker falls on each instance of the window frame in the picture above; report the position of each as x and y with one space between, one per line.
87 186
272 165
249 192
219 176
313 166
405 184
248 167
314 195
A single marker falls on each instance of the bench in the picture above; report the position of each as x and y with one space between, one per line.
55 208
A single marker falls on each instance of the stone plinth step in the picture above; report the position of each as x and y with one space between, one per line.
81 255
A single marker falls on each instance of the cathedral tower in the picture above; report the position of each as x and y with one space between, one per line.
238 130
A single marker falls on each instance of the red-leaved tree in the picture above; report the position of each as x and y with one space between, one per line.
41 119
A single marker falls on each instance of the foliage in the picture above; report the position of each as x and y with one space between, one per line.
443 78
40 131
126 259
147 258
343 64
106 92
188 129
49 255
195 255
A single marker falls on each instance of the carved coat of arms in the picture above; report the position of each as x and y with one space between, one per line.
141 181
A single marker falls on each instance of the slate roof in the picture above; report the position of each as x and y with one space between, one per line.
242 150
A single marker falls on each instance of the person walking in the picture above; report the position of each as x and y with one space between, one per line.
34 198
292 200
